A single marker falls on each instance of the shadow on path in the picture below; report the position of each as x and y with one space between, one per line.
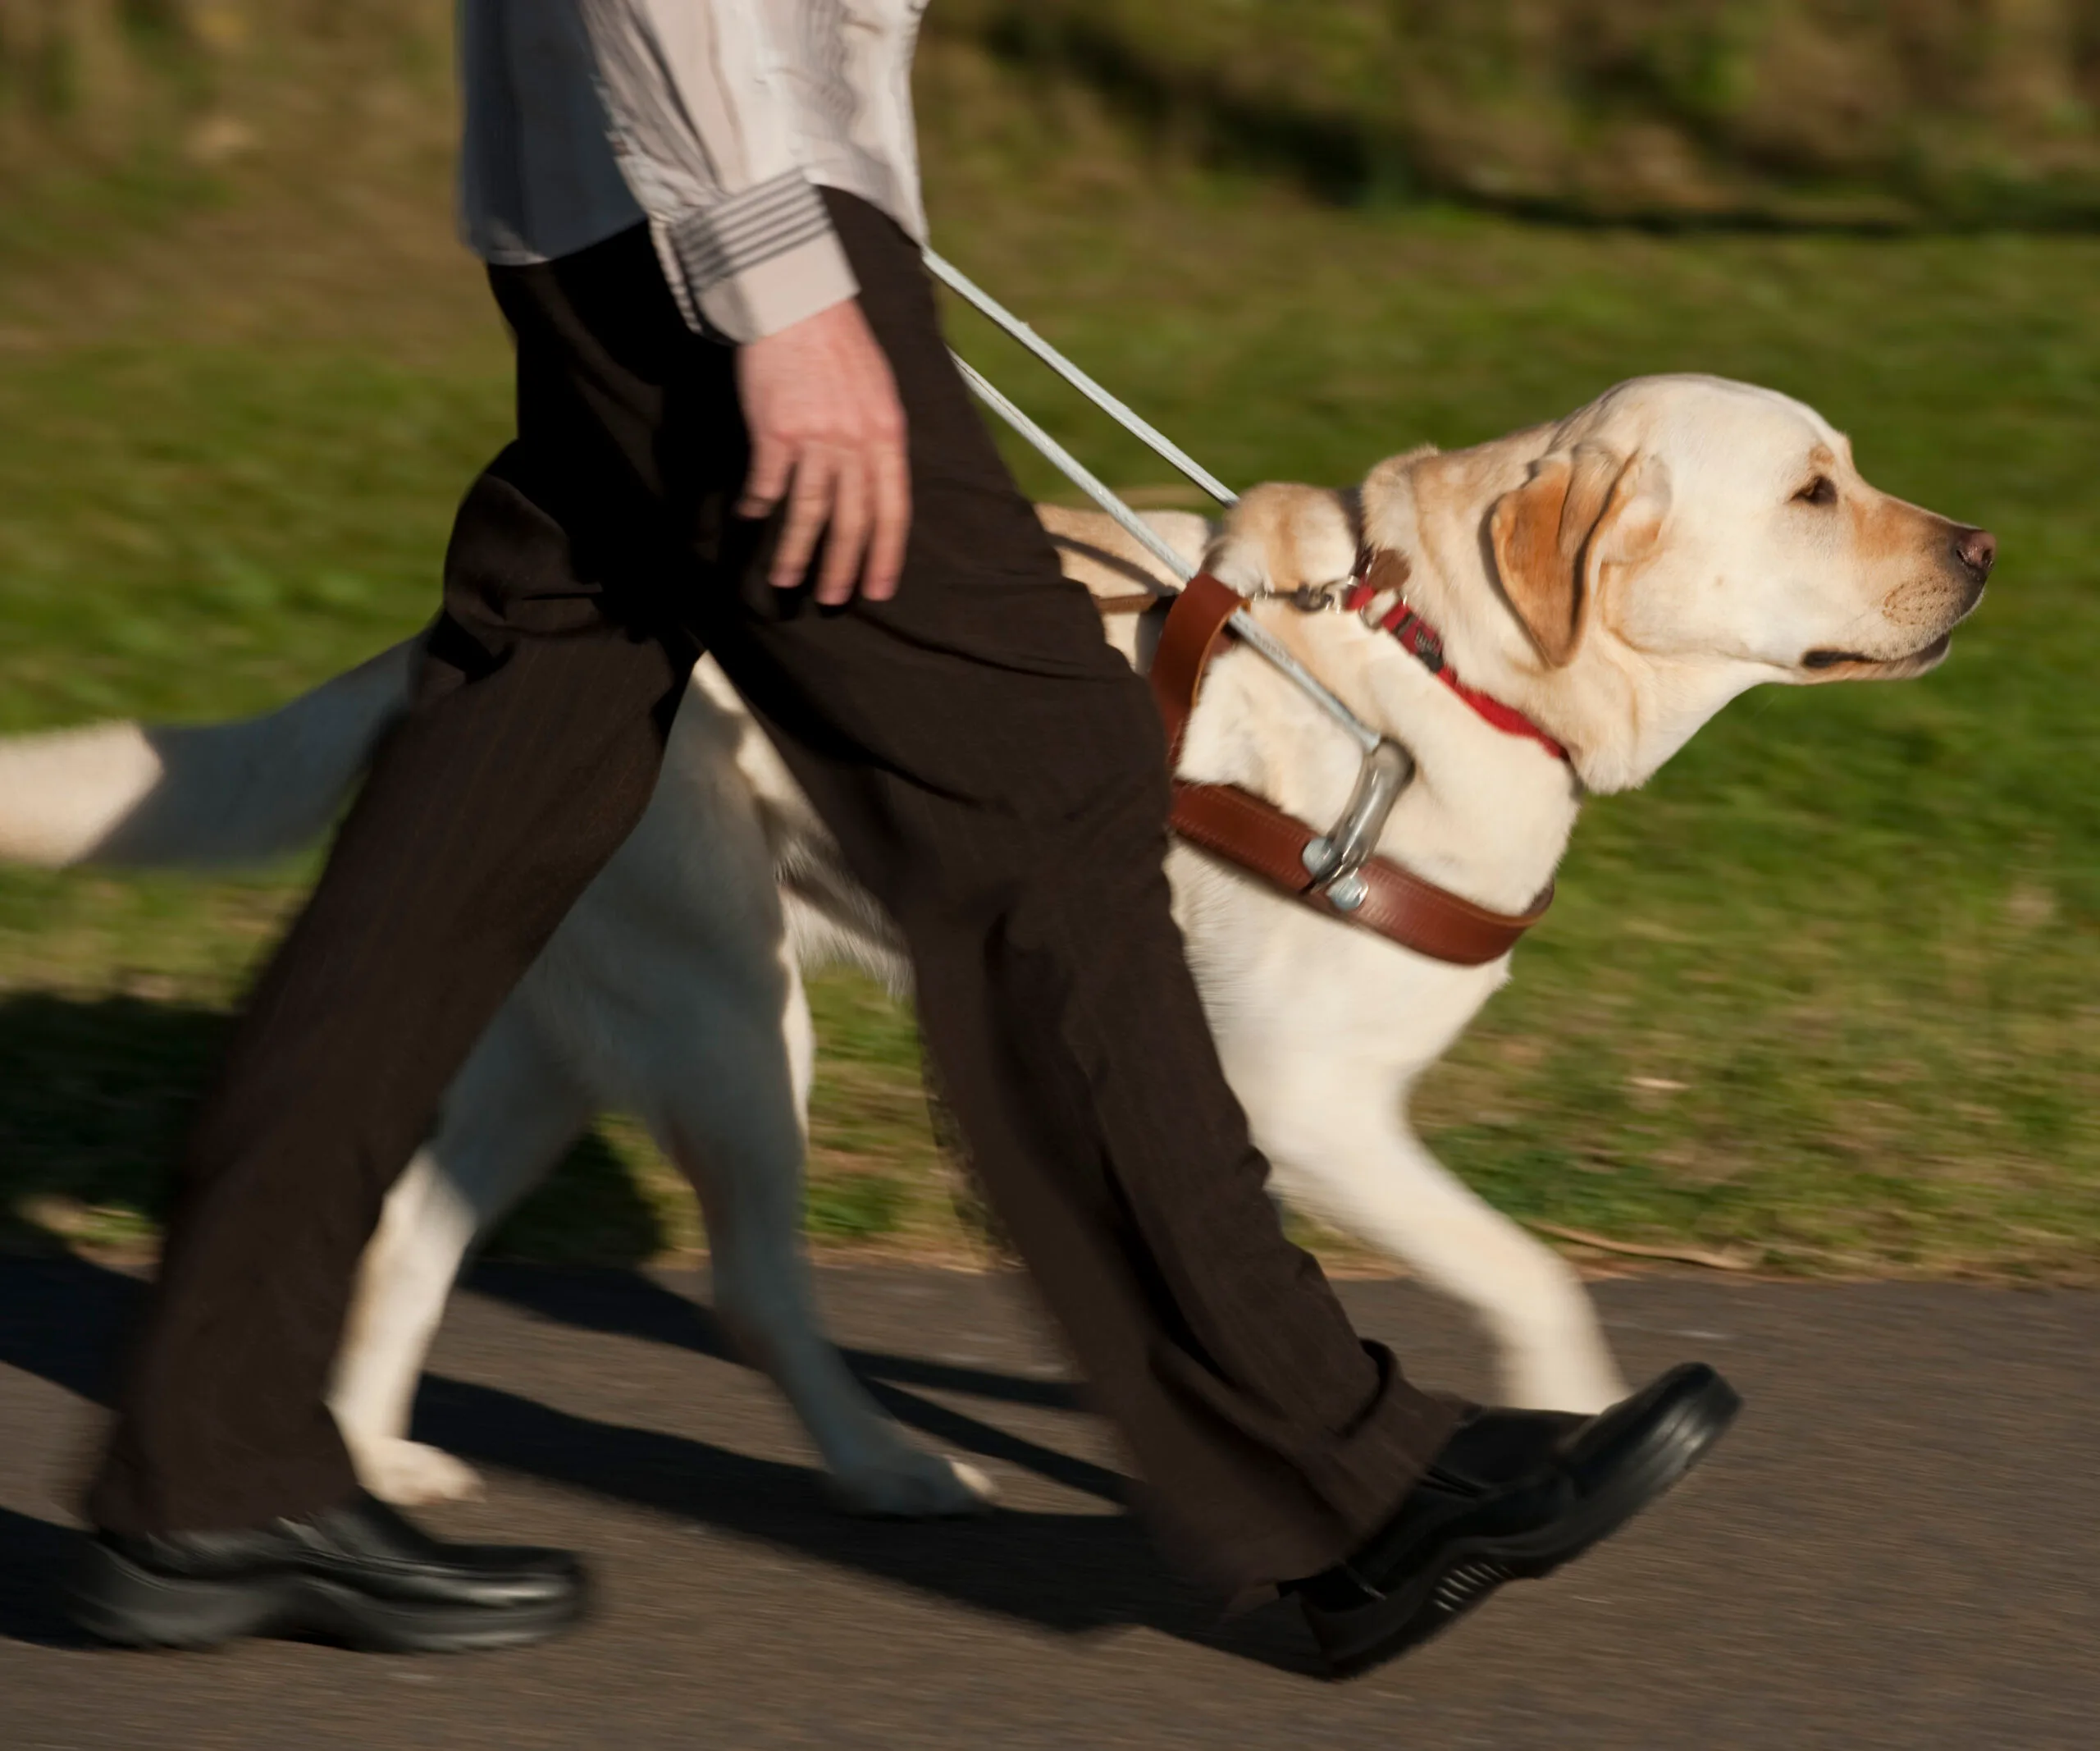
62 1320
628 1305
100 1092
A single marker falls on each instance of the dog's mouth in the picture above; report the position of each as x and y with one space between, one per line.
1841 666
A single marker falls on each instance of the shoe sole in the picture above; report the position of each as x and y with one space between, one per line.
1355 1641
116 1602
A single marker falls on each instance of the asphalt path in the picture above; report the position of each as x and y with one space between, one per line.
1897 1546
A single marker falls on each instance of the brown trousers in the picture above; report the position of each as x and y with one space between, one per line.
995 774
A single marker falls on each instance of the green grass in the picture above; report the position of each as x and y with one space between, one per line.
1829 990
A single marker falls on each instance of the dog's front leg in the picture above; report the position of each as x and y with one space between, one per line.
1344 1153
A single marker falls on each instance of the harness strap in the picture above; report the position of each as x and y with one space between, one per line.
1244 830
1187 643
1257 836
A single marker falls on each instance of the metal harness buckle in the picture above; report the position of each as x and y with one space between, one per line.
1333 859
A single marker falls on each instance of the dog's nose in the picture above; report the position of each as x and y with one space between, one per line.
1978 550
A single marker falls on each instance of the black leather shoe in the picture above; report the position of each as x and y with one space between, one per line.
1512 1495
359 1575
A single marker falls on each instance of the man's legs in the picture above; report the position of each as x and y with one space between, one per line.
994 771
996 776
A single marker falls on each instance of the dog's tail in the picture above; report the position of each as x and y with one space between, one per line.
209 793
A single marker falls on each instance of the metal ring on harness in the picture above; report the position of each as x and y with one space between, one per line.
1333 859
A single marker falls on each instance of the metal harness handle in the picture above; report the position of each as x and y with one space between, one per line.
1334 859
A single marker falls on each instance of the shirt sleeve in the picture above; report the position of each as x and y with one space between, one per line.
701 105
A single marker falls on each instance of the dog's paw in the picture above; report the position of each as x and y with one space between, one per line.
410 1474
913 1485
1585 1386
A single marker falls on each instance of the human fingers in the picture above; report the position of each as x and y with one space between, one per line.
773 463
847 539
892 522
809 507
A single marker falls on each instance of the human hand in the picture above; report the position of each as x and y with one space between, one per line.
828 433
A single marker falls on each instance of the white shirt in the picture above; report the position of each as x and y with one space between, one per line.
714 120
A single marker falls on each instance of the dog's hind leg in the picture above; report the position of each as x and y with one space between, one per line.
733 1120
509 1116
1344 1154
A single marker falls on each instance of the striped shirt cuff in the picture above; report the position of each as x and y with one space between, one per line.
762 260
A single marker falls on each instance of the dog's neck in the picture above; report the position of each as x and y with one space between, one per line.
1619 719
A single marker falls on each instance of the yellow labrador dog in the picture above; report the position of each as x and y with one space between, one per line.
1616 577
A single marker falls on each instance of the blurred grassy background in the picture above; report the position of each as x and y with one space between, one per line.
1827 111
1825 993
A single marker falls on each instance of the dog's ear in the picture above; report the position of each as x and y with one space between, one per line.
1581 510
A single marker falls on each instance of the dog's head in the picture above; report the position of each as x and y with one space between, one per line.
1676 541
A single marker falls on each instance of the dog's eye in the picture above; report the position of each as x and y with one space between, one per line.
1822 490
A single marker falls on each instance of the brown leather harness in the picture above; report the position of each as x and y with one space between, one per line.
1257 836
